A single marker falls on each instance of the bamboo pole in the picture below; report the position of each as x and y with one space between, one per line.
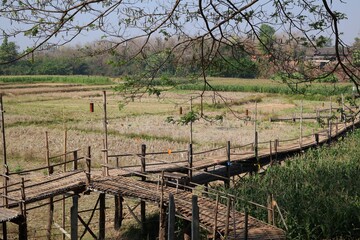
102 218
51 200
195 234
162 228
105 153
171 218
215 217
5 171
74 217
63 206
143 178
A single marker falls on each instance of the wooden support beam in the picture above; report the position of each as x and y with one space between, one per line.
215 217
246 227
228 205
50 218
195 230
118 212
62 230
143 203
162 215
23 220
227 181
171 218
86 225
102 216
190 161
74 217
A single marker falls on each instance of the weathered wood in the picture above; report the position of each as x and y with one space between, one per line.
75 163
118 211
88 166
228 204
47 154
23 220
270 209
87 228
102 219
215 217
62 230
74 217
246 227
143 203
195 230
105 152
171 217
162 214
50 218
190 161
227 181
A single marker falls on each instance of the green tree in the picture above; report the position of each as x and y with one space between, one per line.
8 50
267 38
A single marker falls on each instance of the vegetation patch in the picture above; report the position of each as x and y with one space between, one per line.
56 79
318 192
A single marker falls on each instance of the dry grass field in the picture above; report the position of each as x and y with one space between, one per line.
33 109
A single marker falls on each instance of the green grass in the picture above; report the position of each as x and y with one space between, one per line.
318 192
90 80
270 86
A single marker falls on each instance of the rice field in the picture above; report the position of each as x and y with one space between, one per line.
35 107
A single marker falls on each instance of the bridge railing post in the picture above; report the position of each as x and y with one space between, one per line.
143 178
190 162
75 162
228 149
88 166
195 231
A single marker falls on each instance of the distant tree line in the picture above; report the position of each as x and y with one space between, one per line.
81 60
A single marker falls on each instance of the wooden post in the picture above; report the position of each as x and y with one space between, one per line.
102 216
190 161
195 234
270 209
74 217
215 217
63 205
191 122
6 169
50 218
171 218
47 155
246 221
105 154
227 223
143 178
256 150
316 138
88 166
75 163
276 144
118 212
23 222
51 200
227 181
162 215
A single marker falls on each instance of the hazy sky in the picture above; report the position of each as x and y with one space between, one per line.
350 27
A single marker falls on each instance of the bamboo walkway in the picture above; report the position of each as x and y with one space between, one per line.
233 161
128 187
